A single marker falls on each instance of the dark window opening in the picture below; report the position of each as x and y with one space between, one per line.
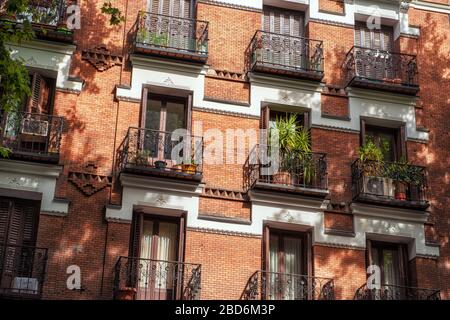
391 141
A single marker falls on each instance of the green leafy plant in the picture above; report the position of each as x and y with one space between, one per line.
15 28
116 17
141 158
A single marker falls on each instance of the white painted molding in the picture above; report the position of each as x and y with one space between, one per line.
54 57
35 177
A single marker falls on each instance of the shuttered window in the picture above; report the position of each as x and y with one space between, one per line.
18 221
381 39
42 92
176 8
286 22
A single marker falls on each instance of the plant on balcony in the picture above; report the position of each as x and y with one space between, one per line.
141 158
189 166
404 174
372 156
294 149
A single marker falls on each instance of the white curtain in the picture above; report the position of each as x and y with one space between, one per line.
167 250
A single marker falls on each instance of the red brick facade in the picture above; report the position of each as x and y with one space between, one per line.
97 122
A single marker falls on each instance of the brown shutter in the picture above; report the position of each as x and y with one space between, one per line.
401 142
363 132
265 117
306 122
165 7
369 259
266 20
403 263
266 248
34 99
4 218
30 215
136 231
387 38
189 113
309 254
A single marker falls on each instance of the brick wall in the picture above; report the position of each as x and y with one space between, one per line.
97 124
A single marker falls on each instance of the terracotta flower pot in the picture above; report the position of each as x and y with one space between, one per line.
127 293
189 168
177 168
400 191
282 178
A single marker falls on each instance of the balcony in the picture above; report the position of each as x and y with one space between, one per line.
48 20
265 285
171 37
285 55
394 292
392 184
381 70
32 136
306 174
22 271
159 153
147 279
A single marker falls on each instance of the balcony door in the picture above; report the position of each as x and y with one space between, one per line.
30 131
281 43
173 27
161 116
18 231
392 259
376 63
158 244
286 266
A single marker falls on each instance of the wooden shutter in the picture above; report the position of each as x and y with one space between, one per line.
4 218
362 136
176 8
41 94
403 263
306 122
400 142
265 117
136 232
369 259
266 249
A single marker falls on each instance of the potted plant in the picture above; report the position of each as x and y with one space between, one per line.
141 158
126 293
189 166
303 158
403 175
290 142
177 167
160 164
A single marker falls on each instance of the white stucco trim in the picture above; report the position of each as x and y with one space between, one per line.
51 56
35 177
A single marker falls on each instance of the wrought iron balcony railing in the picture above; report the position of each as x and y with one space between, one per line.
265 285
147 279
285 55
48 19
174 37
161 153
305 173
22 271
389 183
394 292
32 136
378 69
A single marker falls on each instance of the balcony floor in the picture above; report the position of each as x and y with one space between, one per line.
291 189
151 171
292 72
380 200
365 83
171 53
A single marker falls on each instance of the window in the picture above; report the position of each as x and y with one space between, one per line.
42 94
392 259
176 8
269 116
283 21
287 263
158 243
280 40
18 231
390 140
161 116
382 39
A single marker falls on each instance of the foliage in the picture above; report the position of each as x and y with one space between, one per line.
405 172
14 79
116 17
370 152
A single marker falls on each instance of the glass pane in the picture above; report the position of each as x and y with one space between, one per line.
175 119
146 240
391 267
153 114
384 140
152 121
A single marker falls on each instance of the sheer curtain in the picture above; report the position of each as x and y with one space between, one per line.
294 287
167 250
